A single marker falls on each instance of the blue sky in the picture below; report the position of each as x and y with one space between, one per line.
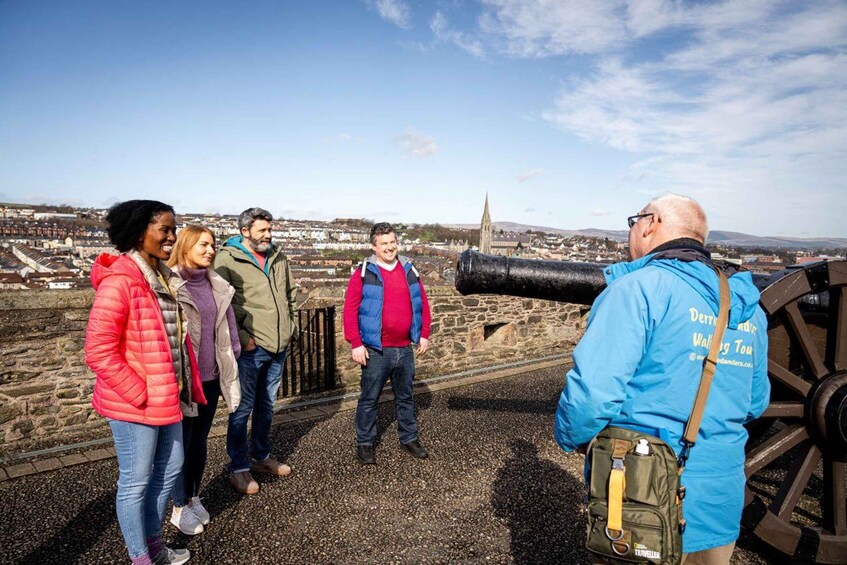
567 113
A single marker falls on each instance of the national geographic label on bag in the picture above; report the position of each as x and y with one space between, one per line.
645 552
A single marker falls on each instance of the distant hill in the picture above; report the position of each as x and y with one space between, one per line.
727 238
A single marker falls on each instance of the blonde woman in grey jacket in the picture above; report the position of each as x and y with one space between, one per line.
206 299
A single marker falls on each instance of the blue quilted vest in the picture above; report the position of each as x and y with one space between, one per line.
370 310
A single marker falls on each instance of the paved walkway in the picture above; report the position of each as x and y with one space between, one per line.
496 489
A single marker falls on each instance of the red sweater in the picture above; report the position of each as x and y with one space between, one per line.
396 309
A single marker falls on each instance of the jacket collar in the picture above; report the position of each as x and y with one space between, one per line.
174 281
236 242
683 243
404 261
220 288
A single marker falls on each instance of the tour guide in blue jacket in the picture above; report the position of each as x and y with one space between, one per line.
639 363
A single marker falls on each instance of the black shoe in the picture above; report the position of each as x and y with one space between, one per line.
365 454
416 449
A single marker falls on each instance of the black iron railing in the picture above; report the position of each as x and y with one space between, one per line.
310 364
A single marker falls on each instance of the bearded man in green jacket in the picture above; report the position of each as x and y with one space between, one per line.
266 313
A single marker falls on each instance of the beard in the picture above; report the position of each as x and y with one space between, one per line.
259 245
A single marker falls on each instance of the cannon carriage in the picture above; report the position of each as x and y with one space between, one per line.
796 496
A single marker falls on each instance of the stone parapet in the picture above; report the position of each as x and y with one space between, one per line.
45 386
474 331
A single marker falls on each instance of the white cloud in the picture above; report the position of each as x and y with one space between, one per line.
526 175
396 12
444 32
416 144
753 104
46 199
535 28
599 211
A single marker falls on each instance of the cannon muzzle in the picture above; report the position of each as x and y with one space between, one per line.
563 281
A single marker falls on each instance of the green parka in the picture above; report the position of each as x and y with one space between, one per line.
265 302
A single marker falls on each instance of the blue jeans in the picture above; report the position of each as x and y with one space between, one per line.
260 374
398 364
149 460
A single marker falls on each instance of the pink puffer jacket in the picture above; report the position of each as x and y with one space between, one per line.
126 345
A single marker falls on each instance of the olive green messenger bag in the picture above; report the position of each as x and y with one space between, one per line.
634 495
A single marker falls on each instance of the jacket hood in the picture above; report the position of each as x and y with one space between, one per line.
744 296
107 265
401 258
372 260
236 242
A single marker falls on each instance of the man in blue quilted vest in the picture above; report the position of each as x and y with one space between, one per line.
386 314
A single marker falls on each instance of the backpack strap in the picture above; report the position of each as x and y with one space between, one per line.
710 364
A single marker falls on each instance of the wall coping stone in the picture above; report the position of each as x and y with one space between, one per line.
307 410
46 299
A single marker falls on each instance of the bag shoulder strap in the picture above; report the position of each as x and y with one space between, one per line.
710 364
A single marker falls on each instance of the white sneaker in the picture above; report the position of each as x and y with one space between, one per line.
199 511
168 556
187 522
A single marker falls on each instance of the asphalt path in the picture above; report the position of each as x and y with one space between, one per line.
496 489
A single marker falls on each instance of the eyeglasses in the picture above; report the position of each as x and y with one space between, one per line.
633 219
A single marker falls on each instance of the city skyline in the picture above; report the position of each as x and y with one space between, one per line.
568 115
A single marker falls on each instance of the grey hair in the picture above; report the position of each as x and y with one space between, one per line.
249 216
682 216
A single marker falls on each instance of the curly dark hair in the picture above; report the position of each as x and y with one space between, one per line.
380 228
129 220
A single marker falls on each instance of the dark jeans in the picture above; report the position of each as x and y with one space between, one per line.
397 364
195 436
260 374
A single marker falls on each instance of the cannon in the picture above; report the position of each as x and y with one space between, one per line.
796 494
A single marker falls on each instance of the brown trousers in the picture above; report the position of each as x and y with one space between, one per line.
714 556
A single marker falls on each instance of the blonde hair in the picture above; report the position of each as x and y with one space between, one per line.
682 216
185 240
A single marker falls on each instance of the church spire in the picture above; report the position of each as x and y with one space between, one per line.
485 229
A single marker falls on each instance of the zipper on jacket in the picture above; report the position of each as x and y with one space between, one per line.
273 294
276 304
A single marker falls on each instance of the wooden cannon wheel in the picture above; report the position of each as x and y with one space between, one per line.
795 499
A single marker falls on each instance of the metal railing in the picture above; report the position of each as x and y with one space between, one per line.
310 363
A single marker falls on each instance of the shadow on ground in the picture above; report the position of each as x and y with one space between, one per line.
517 405
540 503
74 539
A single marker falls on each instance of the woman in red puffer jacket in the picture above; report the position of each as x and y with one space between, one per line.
137 346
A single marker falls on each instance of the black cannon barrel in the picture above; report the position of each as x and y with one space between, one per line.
563 281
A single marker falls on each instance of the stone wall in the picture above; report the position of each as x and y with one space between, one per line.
45 386
470 332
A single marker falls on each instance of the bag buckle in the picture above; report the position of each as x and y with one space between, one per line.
682 525
684 452
617 464
611 537
680 493
621 552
